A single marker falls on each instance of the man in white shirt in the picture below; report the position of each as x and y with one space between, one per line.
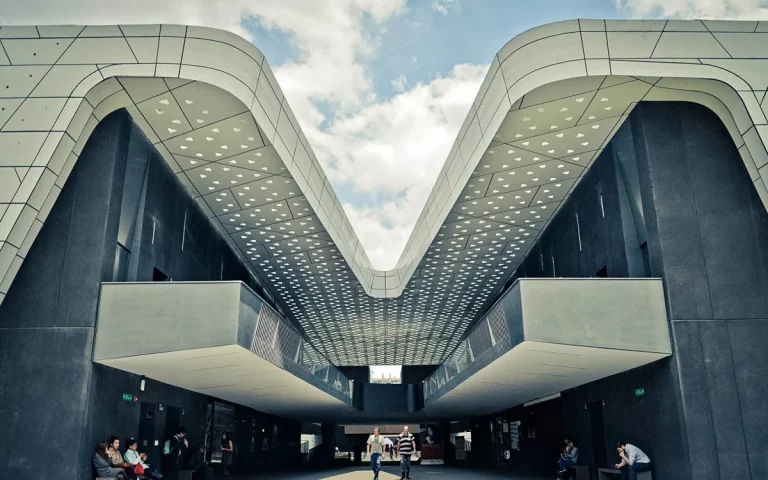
633 460
133 457
390 446
376 444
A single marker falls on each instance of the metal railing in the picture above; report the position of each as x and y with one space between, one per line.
474 348
276 340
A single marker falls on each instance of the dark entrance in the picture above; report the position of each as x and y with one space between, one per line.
146 437
603 272
597 427
159 276
172 419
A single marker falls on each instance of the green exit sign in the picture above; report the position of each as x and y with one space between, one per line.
127 397
639 392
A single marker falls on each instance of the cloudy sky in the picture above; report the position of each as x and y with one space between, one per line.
380 87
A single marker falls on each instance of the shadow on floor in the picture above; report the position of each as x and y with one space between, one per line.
418 472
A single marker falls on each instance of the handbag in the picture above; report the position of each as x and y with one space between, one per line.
138 469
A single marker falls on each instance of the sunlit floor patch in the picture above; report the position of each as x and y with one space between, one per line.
361 475
418 472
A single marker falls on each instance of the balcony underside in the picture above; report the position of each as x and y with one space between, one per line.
218 339
542 337
235 374
545 336
534 370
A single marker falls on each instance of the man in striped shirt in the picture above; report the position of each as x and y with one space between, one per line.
406 445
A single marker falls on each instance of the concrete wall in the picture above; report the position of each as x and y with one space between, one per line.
672 177
48 319
579 248
655 422
183 316
707 237
622 314
54 402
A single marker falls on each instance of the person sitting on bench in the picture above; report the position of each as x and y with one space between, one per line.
116 458
102 464
568 458
133 457
633 460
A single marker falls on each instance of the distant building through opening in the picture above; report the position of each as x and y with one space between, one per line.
391 374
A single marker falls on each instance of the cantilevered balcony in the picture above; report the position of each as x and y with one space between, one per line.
548 335
220 339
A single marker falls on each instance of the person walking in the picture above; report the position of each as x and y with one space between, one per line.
390 447
227 452
375 450
406 445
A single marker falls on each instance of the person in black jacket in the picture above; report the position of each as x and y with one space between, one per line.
179 447
198 465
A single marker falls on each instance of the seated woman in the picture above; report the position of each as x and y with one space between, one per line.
102 464
116 458
569 457
133 457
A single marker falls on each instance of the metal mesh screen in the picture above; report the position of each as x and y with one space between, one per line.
265 333
276 340
489 331
480 338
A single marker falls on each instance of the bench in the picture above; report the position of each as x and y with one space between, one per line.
612 474
140 477
578 472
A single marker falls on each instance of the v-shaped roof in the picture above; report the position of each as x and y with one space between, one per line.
210 104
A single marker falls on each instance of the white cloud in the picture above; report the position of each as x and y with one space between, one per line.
226 14
333 43
445 6
400 83
392 151
387 150
706 9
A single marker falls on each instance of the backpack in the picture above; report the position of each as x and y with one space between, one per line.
167 447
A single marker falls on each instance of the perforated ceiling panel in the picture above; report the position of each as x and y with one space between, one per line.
207 99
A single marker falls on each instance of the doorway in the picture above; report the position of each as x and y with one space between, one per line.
172 420
159 276
146 437
597 427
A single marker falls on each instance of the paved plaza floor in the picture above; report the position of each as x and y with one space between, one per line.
418 472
